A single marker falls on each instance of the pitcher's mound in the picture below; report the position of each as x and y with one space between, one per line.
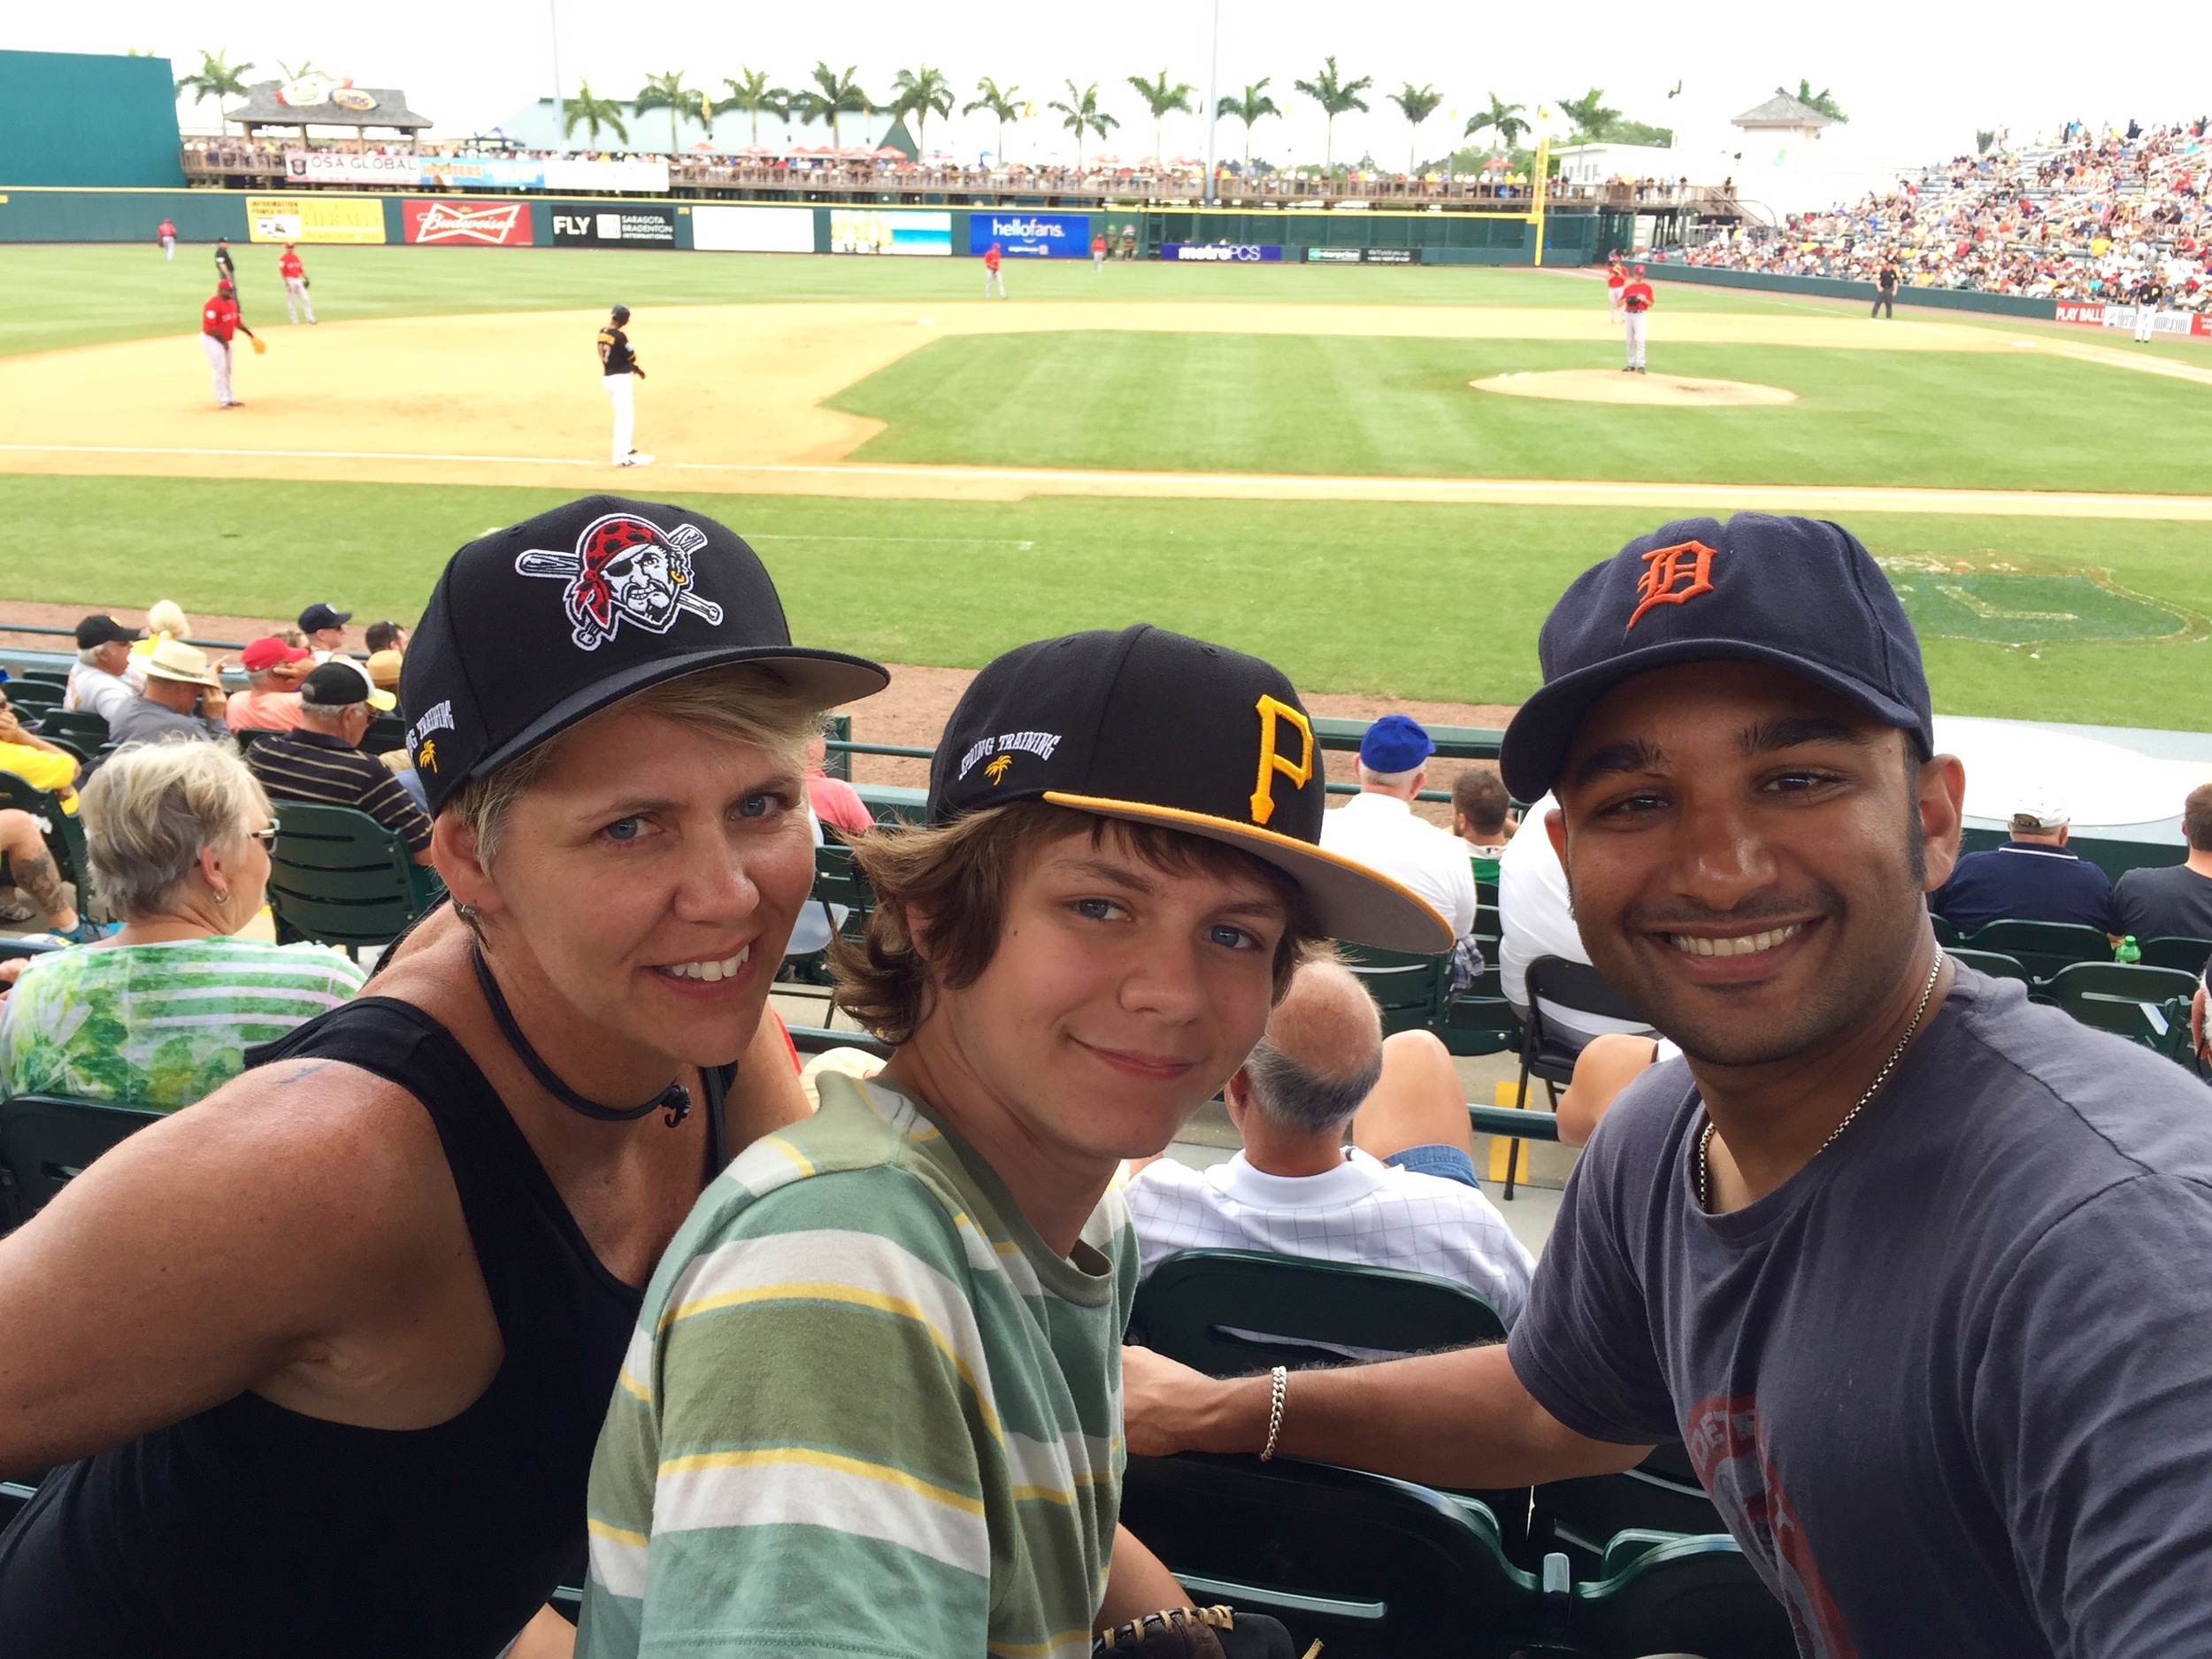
1611 386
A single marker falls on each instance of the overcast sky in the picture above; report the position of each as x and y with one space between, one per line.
1917 80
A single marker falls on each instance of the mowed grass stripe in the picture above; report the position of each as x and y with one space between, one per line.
1369 406
1440 602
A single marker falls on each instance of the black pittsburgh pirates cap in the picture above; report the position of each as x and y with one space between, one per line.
1154 727
1801 594
532 629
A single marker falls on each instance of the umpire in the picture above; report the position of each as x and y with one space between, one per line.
1885 289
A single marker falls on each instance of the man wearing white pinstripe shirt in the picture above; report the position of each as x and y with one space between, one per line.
1402 1195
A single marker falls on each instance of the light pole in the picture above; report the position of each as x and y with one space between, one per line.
560 104
1213 73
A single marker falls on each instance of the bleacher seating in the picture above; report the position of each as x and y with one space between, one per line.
47 1140
2042 948
338 877
64 836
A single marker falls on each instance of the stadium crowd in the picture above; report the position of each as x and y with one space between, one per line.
2091 217
337 1355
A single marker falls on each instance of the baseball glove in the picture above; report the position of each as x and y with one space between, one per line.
260 346
1198 1632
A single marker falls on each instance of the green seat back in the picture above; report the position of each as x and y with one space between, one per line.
1413 992
1482 1022
81 726
64 834
2173 950
1373 1568
1297 1311
338 877
386 733
1679 1595
34 698
1582 1516
1945 934
2043 948
1995 964
838 880
47 1140
2121 997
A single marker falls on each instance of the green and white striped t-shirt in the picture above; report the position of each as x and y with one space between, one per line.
867 1411
160 1025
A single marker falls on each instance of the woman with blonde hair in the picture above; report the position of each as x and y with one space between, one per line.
319 1362
161 1013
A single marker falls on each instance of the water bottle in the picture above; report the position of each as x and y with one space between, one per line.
2128 950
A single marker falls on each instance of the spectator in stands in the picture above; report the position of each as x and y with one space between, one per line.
324 629
321 760
1377 827
1063 986
2030 878
385 636
1402 1195
368 1306
182 697
104 652
42 764
1481 809
836 802
2171 900
1536 917
270 701
1897 1253
384 670
31 887
161 1013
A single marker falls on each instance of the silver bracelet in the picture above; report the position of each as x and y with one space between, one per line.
1278 1381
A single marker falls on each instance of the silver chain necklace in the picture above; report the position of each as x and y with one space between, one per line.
1705 1139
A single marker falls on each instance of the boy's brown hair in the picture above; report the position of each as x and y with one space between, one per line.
961 872
1480 797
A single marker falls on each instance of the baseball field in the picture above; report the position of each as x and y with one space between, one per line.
1381 478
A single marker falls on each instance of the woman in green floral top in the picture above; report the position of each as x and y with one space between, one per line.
161 1013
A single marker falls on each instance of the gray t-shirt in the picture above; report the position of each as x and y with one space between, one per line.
143 720
1951 1385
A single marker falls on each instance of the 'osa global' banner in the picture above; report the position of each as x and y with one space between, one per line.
1032 235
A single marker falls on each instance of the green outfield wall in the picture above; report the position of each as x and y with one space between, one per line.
74 117
1840 288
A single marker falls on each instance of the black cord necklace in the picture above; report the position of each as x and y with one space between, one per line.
675 1100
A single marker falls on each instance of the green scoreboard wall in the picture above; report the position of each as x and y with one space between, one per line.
71 117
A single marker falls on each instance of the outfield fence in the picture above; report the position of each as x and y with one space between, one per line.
1843 289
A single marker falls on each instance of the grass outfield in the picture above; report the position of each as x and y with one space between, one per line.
1366 406
1419 601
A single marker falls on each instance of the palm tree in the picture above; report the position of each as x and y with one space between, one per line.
1002 103
1334 95
920 93
1163 100
668 92
1253 106
1083 115
1417 105
1825 101
217 78
591 113
833 96
1593 121
1502 118
750 93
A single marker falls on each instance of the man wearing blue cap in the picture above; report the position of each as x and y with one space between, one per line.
1377 827
1908 1264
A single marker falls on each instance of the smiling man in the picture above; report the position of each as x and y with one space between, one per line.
873 1406
1908 1262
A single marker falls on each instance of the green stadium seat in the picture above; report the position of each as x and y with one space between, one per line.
47 1140
1548 1053
1372 1567
1482 1022
47 676
1995 964
1661 1495
1660 1593
33 699
64 836
1945 934
2122 997
893 803
80 727
386 733
2173 950
338 877
1412 991
2043 948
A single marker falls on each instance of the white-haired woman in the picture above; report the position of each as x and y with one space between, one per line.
330 1349
161 1013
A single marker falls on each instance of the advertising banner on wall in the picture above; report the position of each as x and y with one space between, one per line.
1220 252
753 229
1030 235
332 166
314 219
630 176
870 230
1332 255
623 227
2102 315
467 224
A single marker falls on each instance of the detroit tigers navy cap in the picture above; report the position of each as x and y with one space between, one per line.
532 628
1799 594
1153 728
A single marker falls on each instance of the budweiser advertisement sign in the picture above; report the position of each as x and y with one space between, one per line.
469 223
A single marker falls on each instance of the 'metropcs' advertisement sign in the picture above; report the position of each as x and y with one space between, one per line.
1221 252
1032 235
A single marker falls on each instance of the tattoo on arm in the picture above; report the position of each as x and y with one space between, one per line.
300 1072
37 877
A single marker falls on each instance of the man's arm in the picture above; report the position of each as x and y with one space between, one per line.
1137 1583
1457 1419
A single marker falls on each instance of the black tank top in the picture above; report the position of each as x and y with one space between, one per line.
249 1531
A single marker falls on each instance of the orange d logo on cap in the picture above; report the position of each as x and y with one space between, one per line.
1672 576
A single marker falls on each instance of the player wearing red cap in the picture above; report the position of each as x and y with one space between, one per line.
218 321
165 234
991 278
1635 301
294 275
1616 280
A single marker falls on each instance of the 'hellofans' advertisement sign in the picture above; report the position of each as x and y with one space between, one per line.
468 224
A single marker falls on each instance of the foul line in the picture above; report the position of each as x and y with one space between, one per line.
1004 482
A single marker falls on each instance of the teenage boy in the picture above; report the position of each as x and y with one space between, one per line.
873 1402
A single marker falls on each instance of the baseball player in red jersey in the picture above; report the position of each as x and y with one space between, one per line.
165 234
1098 251
1635 301
218 321
991 278
294 275
1616 280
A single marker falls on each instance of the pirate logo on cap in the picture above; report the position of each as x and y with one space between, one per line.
625 567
